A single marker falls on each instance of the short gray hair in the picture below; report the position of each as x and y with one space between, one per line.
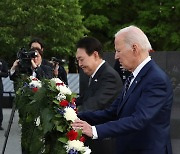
135 35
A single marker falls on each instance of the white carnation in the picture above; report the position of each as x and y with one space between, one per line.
64 89
60 97
70 114
35 83
57 80
75 144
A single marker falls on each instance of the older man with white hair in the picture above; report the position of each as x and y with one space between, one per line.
140 117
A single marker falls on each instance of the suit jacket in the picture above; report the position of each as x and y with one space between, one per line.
62 74
104 88
141 120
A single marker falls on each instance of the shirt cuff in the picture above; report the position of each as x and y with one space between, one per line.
94 132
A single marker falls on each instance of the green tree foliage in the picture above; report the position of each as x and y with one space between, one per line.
158 18
57 22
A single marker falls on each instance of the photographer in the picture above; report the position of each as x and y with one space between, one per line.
36 68
59 70
37 43
3 73
55 64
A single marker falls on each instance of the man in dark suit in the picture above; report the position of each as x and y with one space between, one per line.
104 83
140 117
3 73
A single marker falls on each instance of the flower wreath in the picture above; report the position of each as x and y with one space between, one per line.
46 110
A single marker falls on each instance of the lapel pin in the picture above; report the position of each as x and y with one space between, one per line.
95 80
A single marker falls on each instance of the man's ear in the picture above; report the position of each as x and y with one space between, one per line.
96 54
135 49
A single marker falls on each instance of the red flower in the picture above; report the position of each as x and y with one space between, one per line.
73 100
63 103
82 139
72 135
35 89
60 84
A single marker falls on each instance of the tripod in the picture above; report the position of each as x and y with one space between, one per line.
9 126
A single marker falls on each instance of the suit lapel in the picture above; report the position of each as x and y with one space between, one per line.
130 90
98 73
136 81
94 80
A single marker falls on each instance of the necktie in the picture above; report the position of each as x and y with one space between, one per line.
127 83
90 78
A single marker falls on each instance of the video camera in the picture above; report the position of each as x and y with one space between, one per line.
25 57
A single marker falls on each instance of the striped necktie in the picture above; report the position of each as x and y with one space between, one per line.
127 83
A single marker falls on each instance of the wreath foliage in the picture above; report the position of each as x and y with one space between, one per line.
46 110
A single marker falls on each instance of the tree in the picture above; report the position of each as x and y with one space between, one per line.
159 20
57 22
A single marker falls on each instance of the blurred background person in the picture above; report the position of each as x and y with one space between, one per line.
54 63
31 66
3 73
58 69
38 44
123 73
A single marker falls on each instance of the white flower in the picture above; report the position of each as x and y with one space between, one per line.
32 78
61 87
87 150
57 80
35 83
70 114
37 120
60 97
75 144
64 89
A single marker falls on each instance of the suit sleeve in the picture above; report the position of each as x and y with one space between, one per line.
101 116
150 103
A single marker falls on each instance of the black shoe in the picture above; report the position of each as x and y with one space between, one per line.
1 128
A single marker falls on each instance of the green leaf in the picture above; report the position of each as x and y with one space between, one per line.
56 102
60 128
63 139
47 116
